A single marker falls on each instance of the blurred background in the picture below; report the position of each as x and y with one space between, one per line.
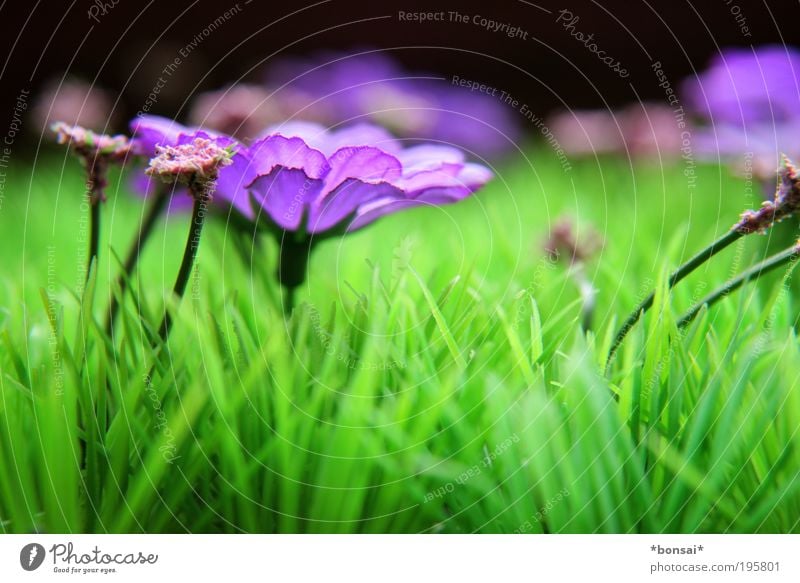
123 46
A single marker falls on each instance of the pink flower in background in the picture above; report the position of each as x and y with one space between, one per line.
244 110
74 103
642 130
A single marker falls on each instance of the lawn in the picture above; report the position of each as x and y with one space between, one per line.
433 376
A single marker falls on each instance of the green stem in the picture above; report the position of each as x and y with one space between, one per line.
676 276
771 263
199 210
158 204
587 292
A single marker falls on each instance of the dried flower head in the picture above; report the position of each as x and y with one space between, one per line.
89 145
193 163
785 204
564 241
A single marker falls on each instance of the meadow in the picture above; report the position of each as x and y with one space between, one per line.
433 376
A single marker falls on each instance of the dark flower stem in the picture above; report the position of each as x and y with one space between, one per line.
679 274
787 256
158 204
292 265
94 240
96 183
201 199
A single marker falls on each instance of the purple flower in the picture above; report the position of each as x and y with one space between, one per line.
424 107
746 86
302 177
750 102
150 131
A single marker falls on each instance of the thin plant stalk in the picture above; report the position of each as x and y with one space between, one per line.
199 210
771 263
682 272
145 229
588 294
95 185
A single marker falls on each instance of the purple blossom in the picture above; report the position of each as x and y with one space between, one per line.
373 87
749 100
302 177
747 86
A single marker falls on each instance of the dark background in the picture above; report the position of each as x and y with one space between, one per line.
133 41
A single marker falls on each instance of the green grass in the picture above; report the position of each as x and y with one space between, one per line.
433 377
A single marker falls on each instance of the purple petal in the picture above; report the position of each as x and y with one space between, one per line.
285 194
278 150
149 131
232 183
379 208
364 163
428 156
338 206
458 180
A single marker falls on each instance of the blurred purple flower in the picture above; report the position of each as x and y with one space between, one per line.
746 86
422 107
749 101
304 178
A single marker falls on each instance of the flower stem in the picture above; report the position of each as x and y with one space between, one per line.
199 210
587 292
94 238
676 276
786 256
292 263
158 204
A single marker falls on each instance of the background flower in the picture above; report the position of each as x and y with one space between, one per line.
749 100
642 130
244 110
412 105
73 102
